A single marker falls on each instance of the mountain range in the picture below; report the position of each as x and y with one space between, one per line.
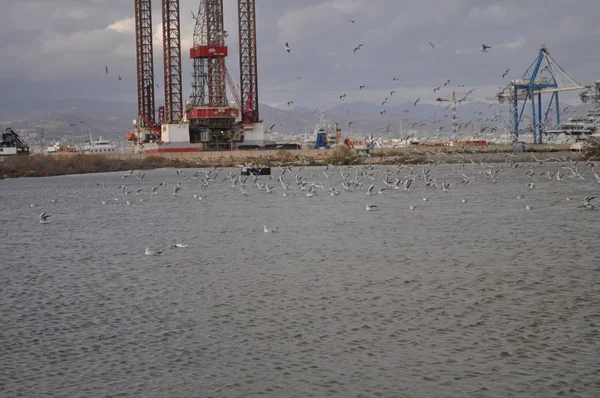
75 119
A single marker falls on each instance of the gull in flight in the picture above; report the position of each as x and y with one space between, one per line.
269 230
44 218
287 47
417 101
432 46
152 253
587 203
484 48
358 48
505 73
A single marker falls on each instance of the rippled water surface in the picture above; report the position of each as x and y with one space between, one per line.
453 299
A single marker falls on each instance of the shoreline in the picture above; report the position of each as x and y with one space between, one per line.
56 165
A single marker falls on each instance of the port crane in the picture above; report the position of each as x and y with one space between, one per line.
544 76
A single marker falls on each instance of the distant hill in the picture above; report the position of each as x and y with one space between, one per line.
72 120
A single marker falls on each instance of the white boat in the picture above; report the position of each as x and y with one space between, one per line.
577 128
99 146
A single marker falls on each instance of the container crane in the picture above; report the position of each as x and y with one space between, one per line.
531 86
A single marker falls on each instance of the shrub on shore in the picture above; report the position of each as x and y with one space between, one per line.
342 155
591 151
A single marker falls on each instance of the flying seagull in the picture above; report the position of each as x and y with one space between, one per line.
120 78
358 48
392 93
587 203
432 46
505 73
44 217
343 96
361 87
271 128
290 103
106 69
484 48
350 20
287 47
417 101
395 79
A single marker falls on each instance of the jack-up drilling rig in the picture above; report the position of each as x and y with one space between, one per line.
209 120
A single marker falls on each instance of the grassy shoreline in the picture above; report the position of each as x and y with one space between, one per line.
52 165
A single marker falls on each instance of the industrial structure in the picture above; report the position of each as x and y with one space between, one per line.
209 120
544 76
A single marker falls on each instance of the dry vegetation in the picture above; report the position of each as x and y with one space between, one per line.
45 166
592 150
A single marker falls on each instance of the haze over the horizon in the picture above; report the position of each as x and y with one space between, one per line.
58 48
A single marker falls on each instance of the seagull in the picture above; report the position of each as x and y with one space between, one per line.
412 207
395 79
358 48
370 190
531 185
106 69
505 73
432 46
484 48
152 253
528 207
587 203
392 93
361 87
343 96
417 101
290 103
464 200
181 245
44 218
287 47
447 82
120 78
177 188
271 128
351 21
436 89
269 230
371 207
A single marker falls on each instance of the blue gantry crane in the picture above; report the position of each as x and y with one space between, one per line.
544 76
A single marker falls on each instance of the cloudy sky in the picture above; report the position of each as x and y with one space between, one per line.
58 48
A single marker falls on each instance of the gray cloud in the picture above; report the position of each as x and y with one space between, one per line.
58 48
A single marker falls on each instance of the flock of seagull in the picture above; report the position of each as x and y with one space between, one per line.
333 180
484 48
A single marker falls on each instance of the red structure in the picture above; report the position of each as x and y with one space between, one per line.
145 66
209 54
248 60
172 61
213 121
